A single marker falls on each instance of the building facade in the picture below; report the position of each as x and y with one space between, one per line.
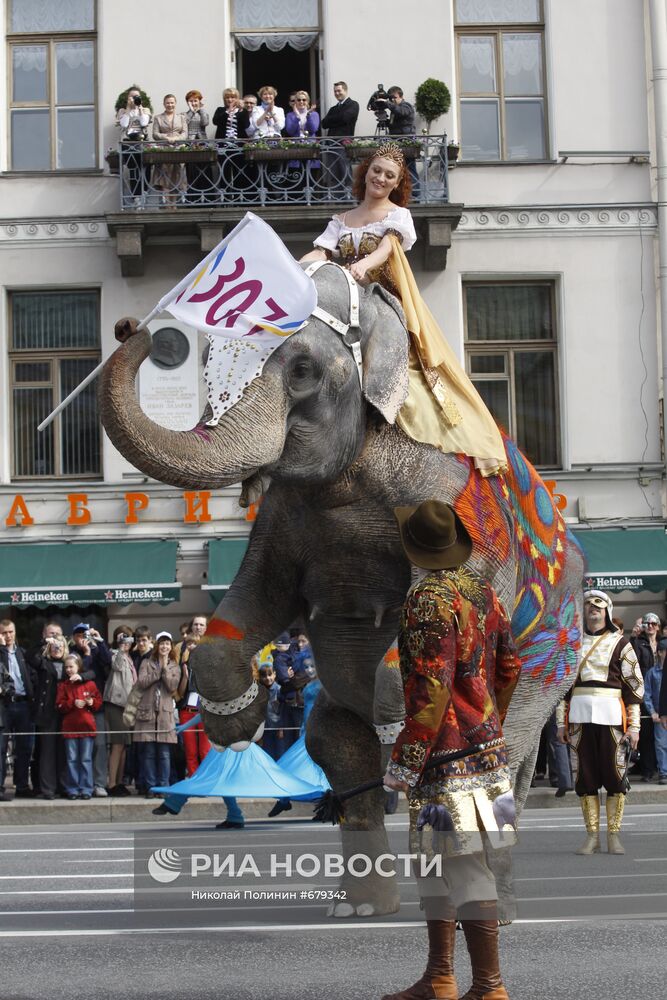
540 255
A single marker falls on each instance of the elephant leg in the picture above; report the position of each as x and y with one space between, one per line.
348 751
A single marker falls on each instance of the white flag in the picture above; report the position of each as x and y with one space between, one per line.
247 296
250 286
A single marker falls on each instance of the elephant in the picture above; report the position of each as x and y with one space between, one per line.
324 450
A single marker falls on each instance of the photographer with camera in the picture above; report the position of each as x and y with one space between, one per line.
96 658
402 122
133 121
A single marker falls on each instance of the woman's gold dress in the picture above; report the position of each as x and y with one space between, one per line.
443 408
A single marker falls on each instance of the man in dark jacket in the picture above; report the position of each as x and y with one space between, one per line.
402 122
18 714
6 695
96 656
340 120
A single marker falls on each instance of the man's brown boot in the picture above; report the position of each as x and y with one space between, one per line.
438 981
482 941
590 807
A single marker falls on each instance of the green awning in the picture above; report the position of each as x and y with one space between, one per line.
225 555
632 559
88 573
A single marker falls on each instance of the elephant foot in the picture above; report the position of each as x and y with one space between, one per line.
366 899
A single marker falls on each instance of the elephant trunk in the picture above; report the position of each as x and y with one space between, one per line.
248 437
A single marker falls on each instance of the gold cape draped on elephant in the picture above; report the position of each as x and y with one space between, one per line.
443 407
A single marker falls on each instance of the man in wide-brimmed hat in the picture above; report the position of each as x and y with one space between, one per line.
599 716
459 669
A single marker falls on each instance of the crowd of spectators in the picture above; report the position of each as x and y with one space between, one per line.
239 120
81 717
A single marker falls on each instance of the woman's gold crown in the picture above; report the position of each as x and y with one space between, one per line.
392 151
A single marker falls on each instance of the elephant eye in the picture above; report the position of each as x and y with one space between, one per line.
302 369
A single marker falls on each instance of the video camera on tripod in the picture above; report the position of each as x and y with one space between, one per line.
380 103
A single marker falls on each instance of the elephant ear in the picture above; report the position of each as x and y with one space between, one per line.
386 356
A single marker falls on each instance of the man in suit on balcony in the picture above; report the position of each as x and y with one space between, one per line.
339 121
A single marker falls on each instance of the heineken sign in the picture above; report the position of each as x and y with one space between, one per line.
636 582
126 594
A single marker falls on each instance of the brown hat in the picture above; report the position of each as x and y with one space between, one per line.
433 535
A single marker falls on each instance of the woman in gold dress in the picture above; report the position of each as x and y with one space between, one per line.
443 407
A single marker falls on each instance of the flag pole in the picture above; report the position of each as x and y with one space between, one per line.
160 307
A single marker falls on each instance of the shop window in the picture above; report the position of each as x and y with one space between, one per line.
54 344
512 358
501 81
52 78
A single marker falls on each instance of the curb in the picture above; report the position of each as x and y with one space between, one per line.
31 812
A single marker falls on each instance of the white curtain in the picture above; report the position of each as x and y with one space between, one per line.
255 14
52 15
497 11
478 54
28 58
522 56
275 41
75 54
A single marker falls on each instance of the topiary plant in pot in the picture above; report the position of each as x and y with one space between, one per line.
432 100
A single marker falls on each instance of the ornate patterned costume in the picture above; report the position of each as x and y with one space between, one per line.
443 407
459 670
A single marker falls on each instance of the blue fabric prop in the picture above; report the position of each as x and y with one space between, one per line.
194 721
299 764
248 774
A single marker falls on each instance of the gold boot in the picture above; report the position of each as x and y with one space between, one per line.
590 806
615 805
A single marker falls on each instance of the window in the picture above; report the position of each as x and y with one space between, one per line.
512 358
54 344
52 84
500 50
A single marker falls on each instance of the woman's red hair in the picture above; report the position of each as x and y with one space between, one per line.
401 193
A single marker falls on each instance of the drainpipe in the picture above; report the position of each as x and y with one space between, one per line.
658 29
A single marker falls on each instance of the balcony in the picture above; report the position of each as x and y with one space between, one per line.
198 192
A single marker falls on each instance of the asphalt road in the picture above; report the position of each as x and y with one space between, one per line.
590 928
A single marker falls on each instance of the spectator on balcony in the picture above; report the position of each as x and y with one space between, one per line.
249 102
232 127
133 121
170 128
200 182
402 122
340 121
268 120
302 123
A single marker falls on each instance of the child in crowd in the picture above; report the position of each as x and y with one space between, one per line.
78 700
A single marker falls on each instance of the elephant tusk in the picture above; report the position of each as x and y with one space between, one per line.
379 615
315 612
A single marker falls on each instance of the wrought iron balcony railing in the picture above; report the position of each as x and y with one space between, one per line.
306 171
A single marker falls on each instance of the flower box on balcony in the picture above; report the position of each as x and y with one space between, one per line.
113 160
182 154
281 152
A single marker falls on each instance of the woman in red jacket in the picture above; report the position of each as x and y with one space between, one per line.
78 700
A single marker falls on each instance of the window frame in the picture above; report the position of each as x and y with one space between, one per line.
508 348
50 40
53 356
497 29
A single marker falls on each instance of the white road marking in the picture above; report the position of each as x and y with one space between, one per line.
59 850
66 892
48 878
